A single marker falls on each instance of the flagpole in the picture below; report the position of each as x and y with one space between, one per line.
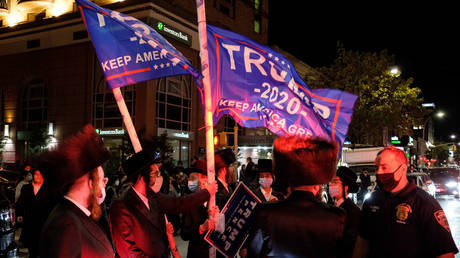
201 13
137 148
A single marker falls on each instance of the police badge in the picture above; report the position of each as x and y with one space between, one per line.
442 219
402 212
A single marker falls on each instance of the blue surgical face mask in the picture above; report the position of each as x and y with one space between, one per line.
265 182
193 185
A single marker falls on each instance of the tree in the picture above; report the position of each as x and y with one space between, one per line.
38 141
385 100
440 153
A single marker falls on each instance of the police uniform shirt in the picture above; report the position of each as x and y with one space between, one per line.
409 224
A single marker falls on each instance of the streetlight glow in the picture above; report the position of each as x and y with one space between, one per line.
440 114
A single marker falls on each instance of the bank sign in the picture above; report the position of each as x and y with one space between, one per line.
170 31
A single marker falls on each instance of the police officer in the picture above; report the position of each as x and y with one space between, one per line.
400 219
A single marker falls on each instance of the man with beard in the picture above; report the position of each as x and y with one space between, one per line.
401 219
74 169
138 218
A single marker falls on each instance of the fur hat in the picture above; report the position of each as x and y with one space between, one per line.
137 163
223 158
200 166
348 178
304 161
76 156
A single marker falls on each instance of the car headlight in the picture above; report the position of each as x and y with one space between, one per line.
451 184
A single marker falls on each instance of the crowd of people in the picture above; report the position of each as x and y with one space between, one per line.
69 208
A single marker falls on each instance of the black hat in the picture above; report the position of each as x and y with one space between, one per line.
304 161
264 165
200 166
137 163
75 157
224 158
348 178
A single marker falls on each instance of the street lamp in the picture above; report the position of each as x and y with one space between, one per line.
395 71
440 114
453 136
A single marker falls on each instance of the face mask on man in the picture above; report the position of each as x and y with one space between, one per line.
29 178
157 185
334 190
192 185
101 199
387 181
265 182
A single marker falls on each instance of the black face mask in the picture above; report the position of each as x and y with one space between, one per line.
386 181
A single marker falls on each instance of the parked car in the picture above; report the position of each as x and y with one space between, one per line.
446 181
423 181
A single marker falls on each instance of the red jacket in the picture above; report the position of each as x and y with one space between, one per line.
140 232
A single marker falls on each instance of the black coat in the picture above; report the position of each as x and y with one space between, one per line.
222 195
261 196
191 221
34 208
68 232
141 232
351 226
299 226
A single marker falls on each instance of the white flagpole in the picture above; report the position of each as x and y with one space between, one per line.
137 147
201 13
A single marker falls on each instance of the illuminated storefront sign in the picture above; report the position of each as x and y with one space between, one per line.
110 132
169 31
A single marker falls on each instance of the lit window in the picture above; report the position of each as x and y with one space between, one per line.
106 113
174 103
34 105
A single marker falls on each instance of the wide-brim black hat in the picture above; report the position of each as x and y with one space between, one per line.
76 156
304 161
265 165
224 158
348 178
200 166
138 163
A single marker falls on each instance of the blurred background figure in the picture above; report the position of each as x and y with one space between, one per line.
32 208
249 175
223 159
339 188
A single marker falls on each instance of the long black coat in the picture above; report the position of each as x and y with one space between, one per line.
141 232
351 226
299 226
191 221
222 195
68 232
34 208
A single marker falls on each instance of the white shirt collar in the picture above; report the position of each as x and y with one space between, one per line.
84 209
267 195
143 198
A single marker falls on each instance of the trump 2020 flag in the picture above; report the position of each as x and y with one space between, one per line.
128 50
259 87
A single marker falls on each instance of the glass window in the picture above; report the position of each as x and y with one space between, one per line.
34 105
106 113
174 102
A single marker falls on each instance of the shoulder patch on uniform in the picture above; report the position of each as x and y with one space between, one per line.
402 212
442 219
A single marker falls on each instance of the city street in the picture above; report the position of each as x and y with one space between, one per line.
451 207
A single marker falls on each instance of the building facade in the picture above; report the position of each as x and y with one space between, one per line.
52 83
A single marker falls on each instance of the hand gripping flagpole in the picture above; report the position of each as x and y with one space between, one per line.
137 147
201 13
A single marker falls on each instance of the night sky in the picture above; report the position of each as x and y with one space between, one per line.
424 40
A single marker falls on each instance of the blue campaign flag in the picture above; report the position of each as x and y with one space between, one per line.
128 50
259 87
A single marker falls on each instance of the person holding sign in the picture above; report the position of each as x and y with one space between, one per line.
300 225
222 160
264 191
138 218
195 222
